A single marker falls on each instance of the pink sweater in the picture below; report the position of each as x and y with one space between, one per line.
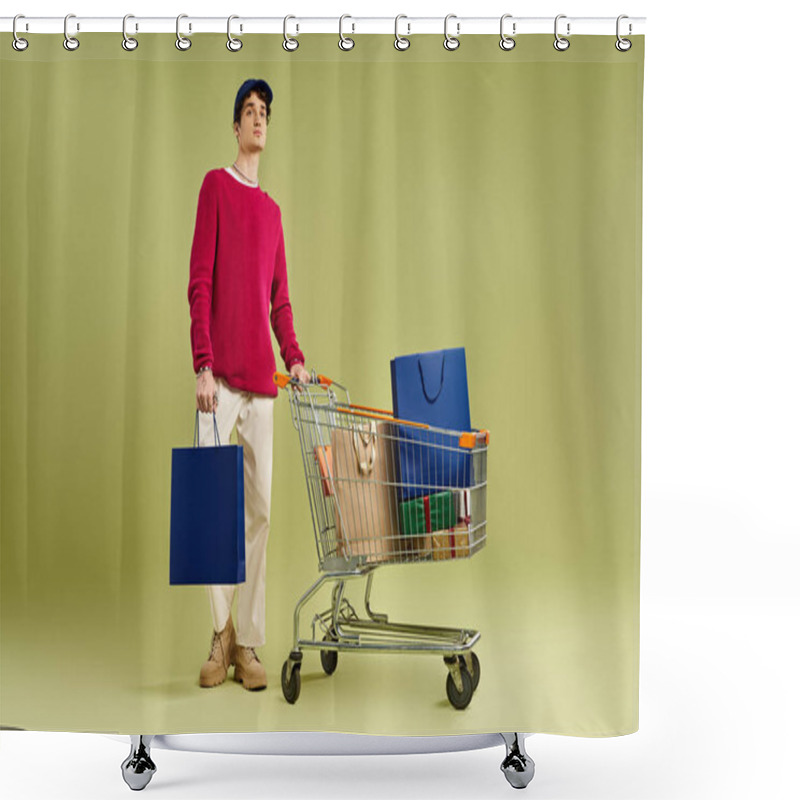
237 270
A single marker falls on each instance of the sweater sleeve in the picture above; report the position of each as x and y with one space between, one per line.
281 314
201 273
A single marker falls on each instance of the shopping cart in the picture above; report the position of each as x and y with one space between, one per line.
383 491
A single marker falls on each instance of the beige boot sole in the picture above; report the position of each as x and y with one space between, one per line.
209 683
249 685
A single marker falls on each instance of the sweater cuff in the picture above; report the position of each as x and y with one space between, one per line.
295 361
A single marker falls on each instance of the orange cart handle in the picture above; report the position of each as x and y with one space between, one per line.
470 439
387 417
467 440
284 380
375 410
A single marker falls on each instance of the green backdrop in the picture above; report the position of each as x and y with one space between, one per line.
430 199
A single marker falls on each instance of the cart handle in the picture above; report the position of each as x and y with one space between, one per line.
370 408
284 380
467 440
387 416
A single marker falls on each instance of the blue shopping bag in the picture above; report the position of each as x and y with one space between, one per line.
207 513
431 388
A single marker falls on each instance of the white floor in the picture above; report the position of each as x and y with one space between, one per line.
719 700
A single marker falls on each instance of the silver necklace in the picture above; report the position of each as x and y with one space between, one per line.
249 180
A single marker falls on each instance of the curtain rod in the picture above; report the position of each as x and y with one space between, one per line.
407 26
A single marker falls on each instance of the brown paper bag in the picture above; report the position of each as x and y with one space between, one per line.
366 506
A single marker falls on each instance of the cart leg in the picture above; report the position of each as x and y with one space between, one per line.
518 766
138 768
336 605
302 601
373 615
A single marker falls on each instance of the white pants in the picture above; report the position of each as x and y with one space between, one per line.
253 415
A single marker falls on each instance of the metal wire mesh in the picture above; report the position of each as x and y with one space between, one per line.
385 491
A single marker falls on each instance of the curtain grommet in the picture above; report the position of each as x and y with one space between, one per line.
401 43
623 45
233 44
290 44
182 43
345 42
18 43
451 42
129 43
560 43
507 42
71 43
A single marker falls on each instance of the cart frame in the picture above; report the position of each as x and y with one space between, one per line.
316 410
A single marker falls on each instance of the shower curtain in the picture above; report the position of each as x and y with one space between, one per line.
430 199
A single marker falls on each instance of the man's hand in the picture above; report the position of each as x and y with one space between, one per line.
206 392
299 371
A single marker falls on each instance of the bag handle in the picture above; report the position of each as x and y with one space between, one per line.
422 378
369 439
196 439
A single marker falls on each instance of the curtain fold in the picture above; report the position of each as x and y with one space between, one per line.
430 199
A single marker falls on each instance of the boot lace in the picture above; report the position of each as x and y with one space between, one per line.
250 652
216 645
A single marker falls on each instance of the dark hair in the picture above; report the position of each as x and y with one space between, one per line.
262 95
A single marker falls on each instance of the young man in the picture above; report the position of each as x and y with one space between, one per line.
237 271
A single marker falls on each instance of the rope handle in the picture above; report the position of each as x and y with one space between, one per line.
196 439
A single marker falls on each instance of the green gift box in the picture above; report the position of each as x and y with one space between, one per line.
426 514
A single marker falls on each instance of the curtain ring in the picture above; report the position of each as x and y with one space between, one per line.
182 43
289 43
400 42
451 42
345 42
623 45
70 42
561 43
233 44
506 42
128 42
18 43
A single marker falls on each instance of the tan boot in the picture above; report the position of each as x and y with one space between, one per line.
248 670
215 670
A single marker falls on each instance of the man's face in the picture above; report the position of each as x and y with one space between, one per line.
253 123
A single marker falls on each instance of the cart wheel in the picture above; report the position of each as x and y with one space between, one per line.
476 670
329 658
290 681
459 699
